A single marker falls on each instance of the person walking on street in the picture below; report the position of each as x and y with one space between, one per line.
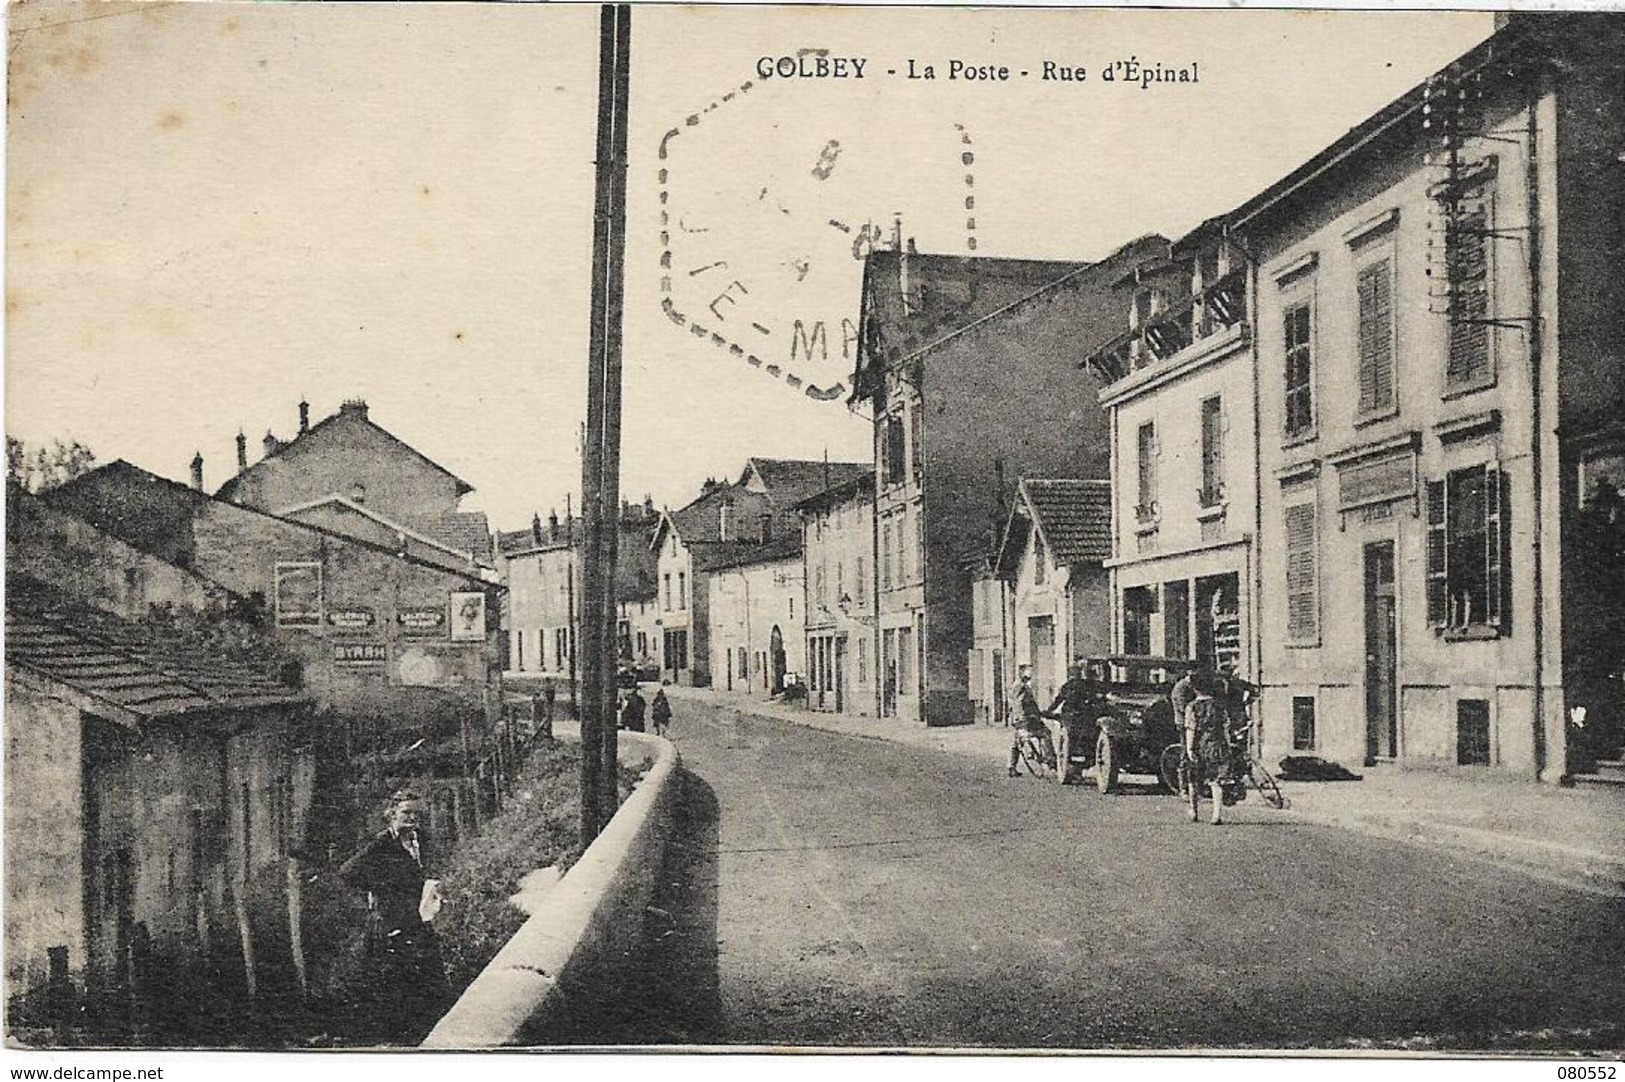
632 712
549 694
660 711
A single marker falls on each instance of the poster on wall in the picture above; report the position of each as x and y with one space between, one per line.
298 594
468 617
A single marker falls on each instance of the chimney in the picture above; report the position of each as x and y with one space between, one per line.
553 524
905 275
648 506
536 527
272 444
242 451
304 416
356 406
197 471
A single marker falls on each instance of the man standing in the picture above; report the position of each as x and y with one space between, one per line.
660 711
1081 702
408 979
632 711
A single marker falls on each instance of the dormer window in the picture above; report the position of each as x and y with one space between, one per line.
358 493
725 520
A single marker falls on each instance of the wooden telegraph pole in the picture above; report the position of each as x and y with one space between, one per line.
601 456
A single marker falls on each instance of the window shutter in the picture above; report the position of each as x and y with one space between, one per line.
1495 579
1438 561
1376 338
1302 579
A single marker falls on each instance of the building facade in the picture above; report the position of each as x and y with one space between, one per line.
838 546
966 365
755 614
1180 400
1440 378
1052 559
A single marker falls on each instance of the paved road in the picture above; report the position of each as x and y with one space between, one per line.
830 890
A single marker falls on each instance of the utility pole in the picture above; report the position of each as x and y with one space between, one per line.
601 455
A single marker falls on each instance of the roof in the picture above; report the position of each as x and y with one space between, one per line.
155 514
839 493
718 555
789 481
1075 517
1072 515
465 531
349 413
120 666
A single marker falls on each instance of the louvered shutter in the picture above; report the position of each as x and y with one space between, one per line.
1468 268
1376 338
1495 578
1438 559
1302 586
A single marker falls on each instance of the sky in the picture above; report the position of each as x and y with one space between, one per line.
214 210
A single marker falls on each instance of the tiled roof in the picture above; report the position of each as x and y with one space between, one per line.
700 521
716 555
122 664
791 480
465 531
1075 517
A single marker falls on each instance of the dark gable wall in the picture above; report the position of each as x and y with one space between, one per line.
1007 389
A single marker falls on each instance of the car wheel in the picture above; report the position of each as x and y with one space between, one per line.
1105 765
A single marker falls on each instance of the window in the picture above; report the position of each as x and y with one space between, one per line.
1467 524
682 590
1467 282
892 448
725 514
818 587
1212 452
519 648
1300 378
860 584
1040 557
905 663
1473 732
1146 511
767 528
863 661
559 637
840 581
667 578
1302 575
792 607
1139 604
1376 340
1303 723
916 439
903 553
885 555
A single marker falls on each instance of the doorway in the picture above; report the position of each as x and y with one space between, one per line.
840 674
1381 654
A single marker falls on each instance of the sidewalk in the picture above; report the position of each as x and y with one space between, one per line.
1575 837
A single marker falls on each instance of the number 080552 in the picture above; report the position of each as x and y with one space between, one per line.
1608 1071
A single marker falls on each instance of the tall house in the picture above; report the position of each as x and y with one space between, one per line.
838 549
1179 391
1440 385
730 525
349 474
966 365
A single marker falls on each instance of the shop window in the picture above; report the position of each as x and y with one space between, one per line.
1473 732
1303 723
1139 605
1467 530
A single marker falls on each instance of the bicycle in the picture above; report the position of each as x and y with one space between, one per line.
1036 753
1173 767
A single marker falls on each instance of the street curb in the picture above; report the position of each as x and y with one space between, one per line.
1580 869
589 925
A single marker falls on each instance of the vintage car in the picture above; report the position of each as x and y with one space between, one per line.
1141 724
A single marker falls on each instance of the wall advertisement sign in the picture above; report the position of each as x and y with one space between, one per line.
354 618
359 653
298 592
422 621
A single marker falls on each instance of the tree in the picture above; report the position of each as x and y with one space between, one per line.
41 468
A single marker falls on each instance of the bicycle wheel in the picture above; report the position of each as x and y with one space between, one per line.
1267 786
1032 759
1168 767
